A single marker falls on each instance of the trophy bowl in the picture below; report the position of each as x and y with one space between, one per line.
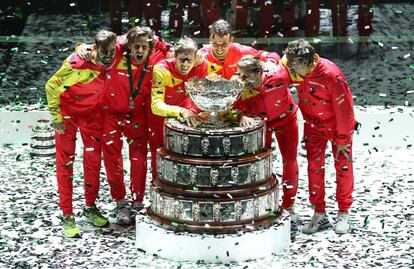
213 95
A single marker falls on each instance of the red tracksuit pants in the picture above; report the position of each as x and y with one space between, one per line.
155 136
312 17
151 9
315 141
133 126
286 132
91 133
339 17
177 14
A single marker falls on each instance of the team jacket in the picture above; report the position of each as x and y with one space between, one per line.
168 94
117 95
326 100
273 100
227 68
77 86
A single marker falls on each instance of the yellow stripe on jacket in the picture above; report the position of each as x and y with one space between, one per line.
65 77
162 78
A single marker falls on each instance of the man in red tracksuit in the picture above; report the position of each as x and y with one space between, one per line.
266 94
73 94
326 104
169 97
222 54
126 111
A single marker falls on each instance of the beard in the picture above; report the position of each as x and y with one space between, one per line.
106 59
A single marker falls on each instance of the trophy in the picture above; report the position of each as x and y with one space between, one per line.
42 142
214 96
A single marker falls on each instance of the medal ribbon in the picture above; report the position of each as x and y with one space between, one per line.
134 92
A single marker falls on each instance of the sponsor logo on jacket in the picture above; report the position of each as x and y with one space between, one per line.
317 84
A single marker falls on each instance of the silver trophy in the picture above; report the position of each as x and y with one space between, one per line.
214 96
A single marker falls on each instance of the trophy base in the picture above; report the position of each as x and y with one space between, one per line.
208 248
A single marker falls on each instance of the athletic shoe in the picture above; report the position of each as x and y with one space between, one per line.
69 227
92 215
318 222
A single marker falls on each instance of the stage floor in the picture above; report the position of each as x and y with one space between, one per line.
382 220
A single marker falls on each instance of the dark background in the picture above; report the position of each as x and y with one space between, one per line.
36 36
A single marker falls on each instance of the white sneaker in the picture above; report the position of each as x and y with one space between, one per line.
293 216
123 212
343 225
318 222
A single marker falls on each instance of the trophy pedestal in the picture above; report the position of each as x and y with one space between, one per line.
42 142
224 248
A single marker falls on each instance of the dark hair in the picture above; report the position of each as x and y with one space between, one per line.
104 37
185 44
140 31
250 63
220 27
300 50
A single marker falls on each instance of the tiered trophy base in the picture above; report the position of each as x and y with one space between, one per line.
223 248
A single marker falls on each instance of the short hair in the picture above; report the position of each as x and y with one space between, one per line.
250 63
140 31
300 50
185 44
221 28
104 37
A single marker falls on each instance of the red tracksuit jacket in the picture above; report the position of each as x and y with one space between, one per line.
326 100
273 100
168 89
227 68
117 94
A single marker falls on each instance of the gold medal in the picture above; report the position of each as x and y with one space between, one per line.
131 104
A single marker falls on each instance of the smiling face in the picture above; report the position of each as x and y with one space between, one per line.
184 62
105 53
220 45
140 49
251 80
297 67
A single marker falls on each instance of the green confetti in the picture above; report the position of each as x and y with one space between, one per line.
412 66
130 142
173 223
366 221
271 214
43 62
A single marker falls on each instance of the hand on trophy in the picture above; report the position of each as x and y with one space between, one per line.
213 77
189 117
246 121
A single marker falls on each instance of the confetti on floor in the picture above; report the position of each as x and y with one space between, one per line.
382 220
